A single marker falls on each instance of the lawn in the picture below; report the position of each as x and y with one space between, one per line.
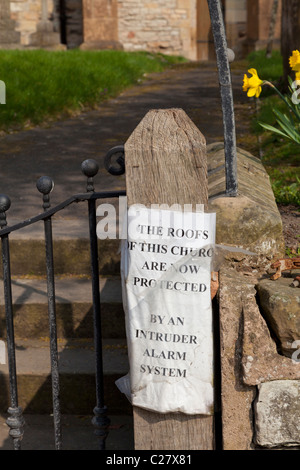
280 156
41 84
268 69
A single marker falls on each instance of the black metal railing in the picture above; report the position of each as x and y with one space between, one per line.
220 41
15 420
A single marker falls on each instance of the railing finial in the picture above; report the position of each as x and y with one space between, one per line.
4 206
116 153
90 168
45 185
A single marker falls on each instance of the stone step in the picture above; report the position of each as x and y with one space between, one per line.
75 342
71 256
77 433
77 376
74 312
71 249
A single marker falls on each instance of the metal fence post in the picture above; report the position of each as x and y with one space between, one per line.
15 421
218 29
100 420
45 186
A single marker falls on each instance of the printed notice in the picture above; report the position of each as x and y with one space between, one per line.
166 272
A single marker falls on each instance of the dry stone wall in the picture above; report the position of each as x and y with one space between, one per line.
259 317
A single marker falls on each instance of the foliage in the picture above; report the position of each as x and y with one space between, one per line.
290 253
278 117
286 194
289 121
269 68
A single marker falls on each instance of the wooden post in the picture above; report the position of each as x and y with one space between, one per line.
166 164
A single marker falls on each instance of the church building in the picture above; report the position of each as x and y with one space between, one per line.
178 27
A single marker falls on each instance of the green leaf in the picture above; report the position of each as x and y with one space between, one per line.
287 125
283 117
290 132
272 129
291 81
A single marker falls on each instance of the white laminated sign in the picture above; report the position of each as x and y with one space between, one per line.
166 272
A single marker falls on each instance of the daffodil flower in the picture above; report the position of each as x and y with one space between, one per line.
294 61
289 123
253 84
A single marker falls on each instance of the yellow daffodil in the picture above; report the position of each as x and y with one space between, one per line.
252 84
288 124
294 61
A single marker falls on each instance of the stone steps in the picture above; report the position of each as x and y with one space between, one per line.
73 307
75 344
77 376
71 254
77 433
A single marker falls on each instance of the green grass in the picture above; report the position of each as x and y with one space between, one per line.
281 157
46 84
267 68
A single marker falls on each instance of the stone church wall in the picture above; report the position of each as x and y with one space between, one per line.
180 27
167 26
27 13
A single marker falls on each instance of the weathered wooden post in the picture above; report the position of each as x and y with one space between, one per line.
166 164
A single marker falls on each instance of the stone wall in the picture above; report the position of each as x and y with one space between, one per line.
260 386
100 24
236 24
167 26
9 37
27 14
258 24
259 317
180 27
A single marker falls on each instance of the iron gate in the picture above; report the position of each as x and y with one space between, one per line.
15 421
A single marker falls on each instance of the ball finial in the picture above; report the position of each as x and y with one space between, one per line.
4 203
4 206
89 168
231 55
45 185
